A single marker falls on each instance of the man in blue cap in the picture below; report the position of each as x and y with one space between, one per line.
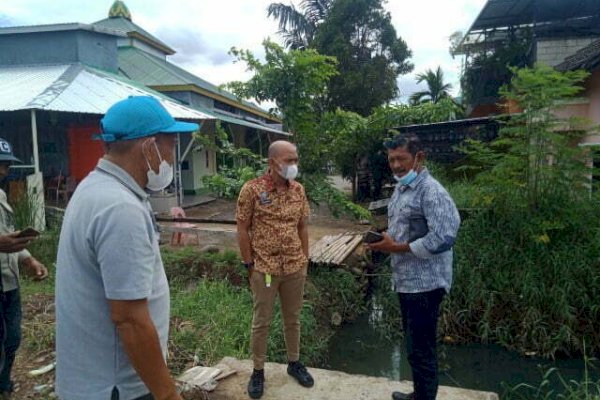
112 295
12 254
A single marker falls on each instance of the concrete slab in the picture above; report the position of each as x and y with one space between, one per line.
329 385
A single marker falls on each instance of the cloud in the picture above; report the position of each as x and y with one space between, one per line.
202 32
5 20
191 47
426 26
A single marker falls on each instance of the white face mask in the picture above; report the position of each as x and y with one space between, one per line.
157 182
288 172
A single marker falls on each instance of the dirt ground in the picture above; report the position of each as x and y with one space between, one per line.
38 318
38 309
321 221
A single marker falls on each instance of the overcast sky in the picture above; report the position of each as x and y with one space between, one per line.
203 31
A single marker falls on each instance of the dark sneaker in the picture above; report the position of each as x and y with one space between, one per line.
256 386
298 371
403 396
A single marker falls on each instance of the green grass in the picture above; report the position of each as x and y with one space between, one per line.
212 309
213 320
584 389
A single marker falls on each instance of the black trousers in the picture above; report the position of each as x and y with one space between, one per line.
10 335
115 396
419 320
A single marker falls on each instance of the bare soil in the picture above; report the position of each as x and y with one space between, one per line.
321 222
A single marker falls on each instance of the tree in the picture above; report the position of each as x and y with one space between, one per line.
436 88
360 34
535 159
353 137
293 80
299 27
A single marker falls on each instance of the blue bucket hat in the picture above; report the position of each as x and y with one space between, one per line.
6 154
137 117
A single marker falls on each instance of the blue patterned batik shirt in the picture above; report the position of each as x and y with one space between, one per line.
423 215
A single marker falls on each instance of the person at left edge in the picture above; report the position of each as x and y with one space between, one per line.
112 295
12 254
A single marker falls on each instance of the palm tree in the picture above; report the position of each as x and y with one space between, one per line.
298 28
436 88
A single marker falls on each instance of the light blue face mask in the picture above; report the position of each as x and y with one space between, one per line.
408 177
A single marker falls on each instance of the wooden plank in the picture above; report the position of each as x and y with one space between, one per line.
333 248
321 246
349 249
317 248
375 205
198 220
338 249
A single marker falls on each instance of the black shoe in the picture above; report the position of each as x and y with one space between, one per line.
256 386
403 396
298 371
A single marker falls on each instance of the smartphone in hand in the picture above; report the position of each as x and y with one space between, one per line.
372 237
28 232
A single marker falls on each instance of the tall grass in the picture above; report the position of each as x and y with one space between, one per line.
26 210
527 281
584 389
213 320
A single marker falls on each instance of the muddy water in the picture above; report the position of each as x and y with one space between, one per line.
358 349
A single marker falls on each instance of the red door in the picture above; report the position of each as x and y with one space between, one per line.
84 152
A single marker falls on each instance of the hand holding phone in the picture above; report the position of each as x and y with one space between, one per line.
28 232
372 237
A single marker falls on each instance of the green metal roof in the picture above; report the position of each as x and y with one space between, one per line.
150 70
124 24
140 66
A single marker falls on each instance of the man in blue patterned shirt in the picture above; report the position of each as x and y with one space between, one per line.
422 225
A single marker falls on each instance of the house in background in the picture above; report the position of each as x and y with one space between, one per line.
564 34
56 82
561 34
144 58
521 33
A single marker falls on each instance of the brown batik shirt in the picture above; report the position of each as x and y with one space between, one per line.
275 242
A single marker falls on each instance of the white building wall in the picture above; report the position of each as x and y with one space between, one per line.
554 51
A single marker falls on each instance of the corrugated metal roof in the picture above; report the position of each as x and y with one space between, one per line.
242 122
60 27
586 58
125 25
504 13
75 88
138 65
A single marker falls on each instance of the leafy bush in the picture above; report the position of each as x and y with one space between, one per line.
229 181
335 291
320 190
528 282
526 271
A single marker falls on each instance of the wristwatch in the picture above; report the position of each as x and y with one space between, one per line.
248 265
